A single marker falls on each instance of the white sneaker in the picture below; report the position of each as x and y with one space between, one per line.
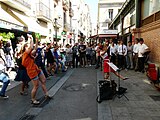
4 96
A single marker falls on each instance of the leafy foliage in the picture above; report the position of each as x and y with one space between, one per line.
7 36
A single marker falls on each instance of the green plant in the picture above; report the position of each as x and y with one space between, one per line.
7 36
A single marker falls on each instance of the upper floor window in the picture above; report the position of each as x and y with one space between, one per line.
150 7
110 11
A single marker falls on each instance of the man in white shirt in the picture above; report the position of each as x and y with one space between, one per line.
135 54
122 52
142 48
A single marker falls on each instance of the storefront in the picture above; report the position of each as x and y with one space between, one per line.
10 24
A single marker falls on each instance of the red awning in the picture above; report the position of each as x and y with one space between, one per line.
107 35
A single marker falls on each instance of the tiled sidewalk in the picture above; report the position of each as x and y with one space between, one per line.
143 104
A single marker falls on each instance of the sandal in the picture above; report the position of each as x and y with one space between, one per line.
35 102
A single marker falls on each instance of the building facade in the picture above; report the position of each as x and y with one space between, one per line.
107 10
52 20
144 21
82 27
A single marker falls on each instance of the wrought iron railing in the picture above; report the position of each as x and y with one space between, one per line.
43 10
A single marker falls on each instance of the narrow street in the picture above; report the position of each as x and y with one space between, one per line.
76 98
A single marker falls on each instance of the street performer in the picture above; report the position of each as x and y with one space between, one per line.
106 67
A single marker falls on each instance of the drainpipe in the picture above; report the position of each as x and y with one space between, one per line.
138 17
122 21
138 13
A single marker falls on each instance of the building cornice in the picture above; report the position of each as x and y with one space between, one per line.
150 26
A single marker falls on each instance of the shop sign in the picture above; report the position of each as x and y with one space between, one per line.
106 31
8 25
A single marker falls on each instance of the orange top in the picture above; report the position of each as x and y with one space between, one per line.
31 67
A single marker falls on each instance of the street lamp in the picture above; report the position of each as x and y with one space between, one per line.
55 27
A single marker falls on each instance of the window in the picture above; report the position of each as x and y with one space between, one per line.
110 11
150 7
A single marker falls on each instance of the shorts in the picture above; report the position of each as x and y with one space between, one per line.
35 78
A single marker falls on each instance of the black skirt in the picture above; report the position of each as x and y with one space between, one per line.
22 76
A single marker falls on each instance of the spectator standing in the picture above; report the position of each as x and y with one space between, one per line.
130 55
135 54
88 54
69 56
142 48
82 51
75 55
122 52
98 48
113 53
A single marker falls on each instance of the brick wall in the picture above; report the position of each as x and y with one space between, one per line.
151 35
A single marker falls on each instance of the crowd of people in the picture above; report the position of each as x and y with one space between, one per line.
36 62
132 56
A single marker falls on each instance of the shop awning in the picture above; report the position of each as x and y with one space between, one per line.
31 23
107 35
9 22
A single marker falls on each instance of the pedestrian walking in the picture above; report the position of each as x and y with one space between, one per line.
36 75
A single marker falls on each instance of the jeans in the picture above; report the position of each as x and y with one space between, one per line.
59 62
5 80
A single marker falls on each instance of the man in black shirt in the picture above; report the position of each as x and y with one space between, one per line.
82 51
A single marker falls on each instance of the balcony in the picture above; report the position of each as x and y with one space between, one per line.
66 26
71 14
65 5
43 12
58 23
22 5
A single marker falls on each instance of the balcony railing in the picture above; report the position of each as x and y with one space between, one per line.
43 12
67 26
